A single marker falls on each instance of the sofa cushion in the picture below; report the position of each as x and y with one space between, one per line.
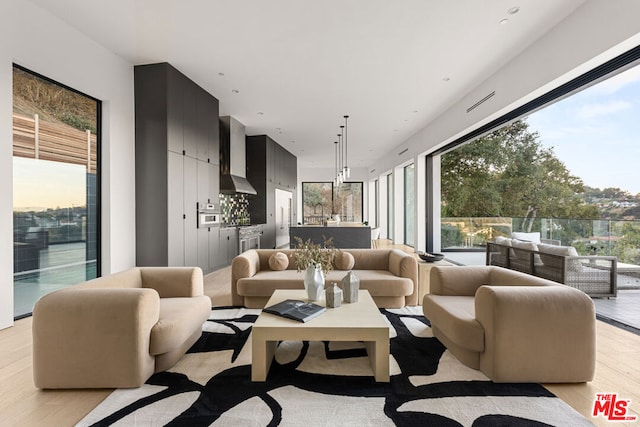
278 261
377 282
456 318
264 282
179 317
564 251
520 260
344 261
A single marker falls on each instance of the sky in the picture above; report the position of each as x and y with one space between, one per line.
41 184
596 132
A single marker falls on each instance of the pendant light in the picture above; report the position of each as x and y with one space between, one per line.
346 170
336 179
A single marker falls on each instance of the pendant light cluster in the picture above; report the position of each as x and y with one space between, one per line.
341 150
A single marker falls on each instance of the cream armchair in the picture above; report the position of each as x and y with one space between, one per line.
512 326
117 330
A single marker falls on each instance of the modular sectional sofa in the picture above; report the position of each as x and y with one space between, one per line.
117 330
594 275
512 326
390 276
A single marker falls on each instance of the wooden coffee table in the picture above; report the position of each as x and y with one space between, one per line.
361 321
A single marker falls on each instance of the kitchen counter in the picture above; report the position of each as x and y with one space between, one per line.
344 237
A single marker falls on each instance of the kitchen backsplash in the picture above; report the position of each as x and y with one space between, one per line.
234 209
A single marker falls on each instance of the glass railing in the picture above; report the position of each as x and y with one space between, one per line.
620 238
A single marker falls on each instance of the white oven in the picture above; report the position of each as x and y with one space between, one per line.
207 216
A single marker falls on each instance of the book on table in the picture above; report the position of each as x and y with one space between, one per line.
296 310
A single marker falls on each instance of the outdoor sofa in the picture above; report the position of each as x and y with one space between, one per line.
390 275
594 275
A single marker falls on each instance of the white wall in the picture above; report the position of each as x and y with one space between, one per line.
40 42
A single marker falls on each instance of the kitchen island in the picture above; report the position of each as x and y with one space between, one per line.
344 236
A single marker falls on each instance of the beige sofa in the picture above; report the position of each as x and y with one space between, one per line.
512 326
117 330
390 276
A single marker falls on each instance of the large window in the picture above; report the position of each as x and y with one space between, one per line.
559 166
55 187
409 205
322 200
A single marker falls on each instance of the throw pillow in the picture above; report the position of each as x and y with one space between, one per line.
521 256
344 261
529 237
278 261
501 240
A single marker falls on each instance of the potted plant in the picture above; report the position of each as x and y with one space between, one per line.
316 261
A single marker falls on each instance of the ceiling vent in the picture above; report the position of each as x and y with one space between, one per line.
403 151
486 98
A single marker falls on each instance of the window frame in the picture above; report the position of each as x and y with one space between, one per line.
98 173
333 195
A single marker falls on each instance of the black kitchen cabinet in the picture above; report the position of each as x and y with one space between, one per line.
269 166
177 167
228 245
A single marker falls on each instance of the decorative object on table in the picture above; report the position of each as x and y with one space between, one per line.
316 261
350 287
314 282
425 256
334 296
296 310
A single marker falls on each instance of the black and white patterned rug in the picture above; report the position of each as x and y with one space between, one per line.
316 383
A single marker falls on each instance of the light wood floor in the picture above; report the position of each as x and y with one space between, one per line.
21 404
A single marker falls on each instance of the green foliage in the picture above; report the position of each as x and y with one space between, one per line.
451 236
78 122
508 173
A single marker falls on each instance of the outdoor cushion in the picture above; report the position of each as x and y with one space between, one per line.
572 265
529 237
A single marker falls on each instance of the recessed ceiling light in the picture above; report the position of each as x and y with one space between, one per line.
513 10
221 74
415 111
446 79
235 91
395 130
260 113
278 129
504 21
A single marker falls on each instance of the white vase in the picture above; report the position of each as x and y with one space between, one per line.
314 282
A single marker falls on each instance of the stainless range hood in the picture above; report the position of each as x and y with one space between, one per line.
233 176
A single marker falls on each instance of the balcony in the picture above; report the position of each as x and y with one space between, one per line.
463 240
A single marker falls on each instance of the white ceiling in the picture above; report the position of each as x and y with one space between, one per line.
392 66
